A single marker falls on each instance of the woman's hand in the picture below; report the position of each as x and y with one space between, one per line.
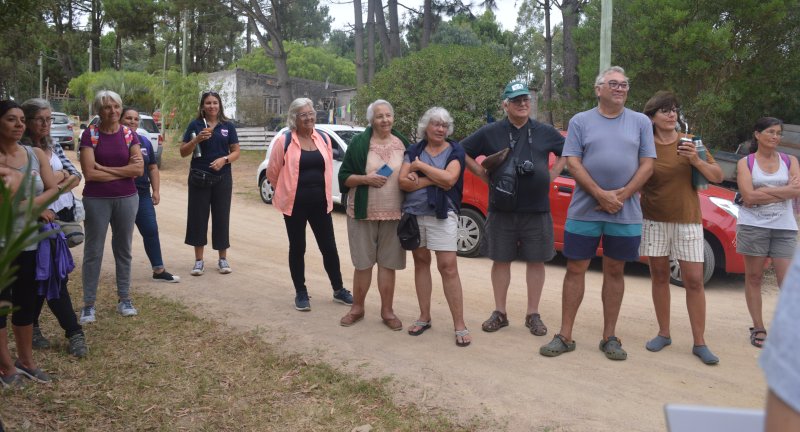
690 152
218 164
156 198
412 176
375 180
48 216
204 135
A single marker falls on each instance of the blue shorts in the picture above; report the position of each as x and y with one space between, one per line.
620 241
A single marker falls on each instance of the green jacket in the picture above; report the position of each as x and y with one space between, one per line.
355 163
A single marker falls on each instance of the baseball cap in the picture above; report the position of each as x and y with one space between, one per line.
515 88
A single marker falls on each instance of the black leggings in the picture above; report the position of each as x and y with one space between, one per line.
322 225
22 292
62 309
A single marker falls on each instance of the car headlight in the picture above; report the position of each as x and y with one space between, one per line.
726 205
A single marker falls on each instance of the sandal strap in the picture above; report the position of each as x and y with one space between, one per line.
421 323
462 333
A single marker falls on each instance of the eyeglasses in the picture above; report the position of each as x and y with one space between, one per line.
443 125
307 115
521 100
42 120
772 133
667 111
615 85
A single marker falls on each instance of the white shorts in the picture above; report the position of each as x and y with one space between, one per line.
438 234
676 240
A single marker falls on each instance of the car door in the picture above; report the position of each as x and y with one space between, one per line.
561 190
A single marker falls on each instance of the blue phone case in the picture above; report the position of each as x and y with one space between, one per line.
385 170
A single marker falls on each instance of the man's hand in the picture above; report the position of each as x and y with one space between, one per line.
608 201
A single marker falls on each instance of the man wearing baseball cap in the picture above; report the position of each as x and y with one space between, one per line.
519 227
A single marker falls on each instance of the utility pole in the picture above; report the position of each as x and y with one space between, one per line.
605 34
185 42
41 74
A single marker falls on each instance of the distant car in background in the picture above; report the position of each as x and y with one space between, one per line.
148 128
62 131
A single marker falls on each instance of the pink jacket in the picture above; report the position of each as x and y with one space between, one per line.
284 176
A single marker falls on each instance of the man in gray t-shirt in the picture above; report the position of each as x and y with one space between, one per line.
610 152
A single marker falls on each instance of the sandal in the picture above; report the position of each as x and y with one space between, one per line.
495 322
612 347
557 346
756 341
534 322
423 325
461 334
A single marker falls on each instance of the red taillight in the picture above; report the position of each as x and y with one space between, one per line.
160 139
69 126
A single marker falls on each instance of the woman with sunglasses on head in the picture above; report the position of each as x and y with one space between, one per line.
146 215
768 181
302 172
110 159
213 143
38 117
22 291
673 225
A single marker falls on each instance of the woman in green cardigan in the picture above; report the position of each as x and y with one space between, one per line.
368 176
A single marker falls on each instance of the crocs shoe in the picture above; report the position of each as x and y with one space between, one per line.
612 347
557 346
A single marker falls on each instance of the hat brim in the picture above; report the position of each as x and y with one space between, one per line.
512 95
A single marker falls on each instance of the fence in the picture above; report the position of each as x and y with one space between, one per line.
254 138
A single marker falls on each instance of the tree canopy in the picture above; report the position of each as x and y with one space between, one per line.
304 62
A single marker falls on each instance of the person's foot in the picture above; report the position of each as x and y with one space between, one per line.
343 296
301 302
224 267
166 276
705 354
557 346
612 347
658 343
34 374
495 322
39 341
77 345
199 267
351 318
126 309
88 315
12 381
535 324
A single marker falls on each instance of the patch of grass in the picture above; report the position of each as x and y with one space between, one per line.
167 369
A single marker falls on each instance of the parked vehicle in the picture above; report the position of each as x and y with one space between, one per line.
716 204
340 138
62 131
148 128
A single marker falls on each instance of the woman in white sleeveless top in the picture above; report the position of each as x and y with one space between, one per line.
766 225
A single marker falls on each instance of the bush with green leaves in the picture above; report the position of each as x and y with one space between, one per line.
468 81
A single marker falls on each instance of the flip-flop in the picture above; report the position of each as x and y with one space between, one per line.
393 323
423 325
461 334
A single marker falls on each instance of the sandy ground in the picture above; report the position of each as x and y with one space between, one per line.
501 377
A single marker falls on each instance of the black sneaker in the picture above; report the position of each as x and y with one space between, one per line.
77 345
166 276
39 341
301 302
343 296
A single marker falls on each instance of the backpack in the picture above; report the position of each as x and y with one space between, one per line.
95 135
287 139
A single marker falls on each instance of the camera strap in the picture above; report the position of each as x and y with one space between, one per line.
512 143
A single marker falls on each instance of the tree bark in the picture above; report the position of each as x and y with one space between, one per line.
359 46
427 24
570 13
383 33
548 58
394 30
370 40
96 19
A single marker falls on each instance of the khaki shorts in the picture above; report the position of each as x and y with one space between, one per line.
677 240
438 234
765 242
375 241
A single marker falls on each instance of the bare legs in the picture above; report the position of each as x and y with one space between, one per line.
692 274
574 287
362 279
447 266
753 276
501 279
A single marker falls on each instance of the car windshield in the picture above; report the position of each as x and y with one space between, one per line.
60 119
149 125
347 135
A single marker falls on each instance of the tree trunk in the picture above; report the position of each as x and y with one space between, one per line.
94 38
570 12
370 40
548 70
427 24
359 36
249 36
383 33
117 51
394 30
178 39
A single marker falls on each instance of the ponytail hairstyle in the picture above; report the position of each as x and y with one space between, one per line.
761 125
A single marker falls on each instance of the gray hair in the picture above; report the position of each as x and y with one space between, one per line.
102 96
371 109
602 76
435 113
294 108
30 108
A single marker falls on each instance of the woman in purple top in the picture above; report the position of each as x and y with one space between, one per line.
110 160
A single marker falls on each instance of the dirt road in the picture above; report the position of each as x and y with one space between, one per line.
500 376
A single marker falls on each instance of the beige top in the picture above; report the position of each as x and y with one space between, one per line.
384 203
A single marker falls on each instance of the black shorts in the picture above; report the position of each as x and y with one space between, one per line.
518 236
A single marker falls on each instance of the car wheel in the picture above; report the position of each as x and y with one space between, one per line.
709 264
265 190
470 232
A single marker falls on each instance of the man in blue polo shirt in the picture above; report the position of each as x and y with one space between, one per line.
524 232
610 152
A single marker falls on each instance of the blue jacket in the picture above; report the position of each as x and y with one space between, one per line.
437 197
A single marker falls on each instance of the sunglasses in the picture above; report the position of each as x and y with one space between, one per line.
209 92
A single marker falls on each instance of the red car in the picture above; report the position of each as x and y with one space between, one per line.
716 204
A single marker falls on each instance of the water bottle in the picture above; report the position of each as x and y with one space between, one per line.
699 182
197 152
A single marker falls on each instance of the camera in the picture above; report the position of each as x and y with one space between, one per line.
525 168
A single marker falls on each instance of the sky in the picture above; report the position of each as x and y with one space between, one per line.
342 12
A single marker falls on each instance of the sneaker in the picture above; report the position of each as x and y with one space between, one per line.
343 296
77 345
224 267
35 374
88 315
166 276
301 302
12 381
126 309
39 341
198 268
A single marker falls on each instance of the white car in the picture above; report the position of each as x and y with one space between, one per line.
340 138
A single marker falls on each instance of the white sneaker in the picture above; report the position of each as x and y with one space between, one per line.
126 309
88 315
224 267
198 268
